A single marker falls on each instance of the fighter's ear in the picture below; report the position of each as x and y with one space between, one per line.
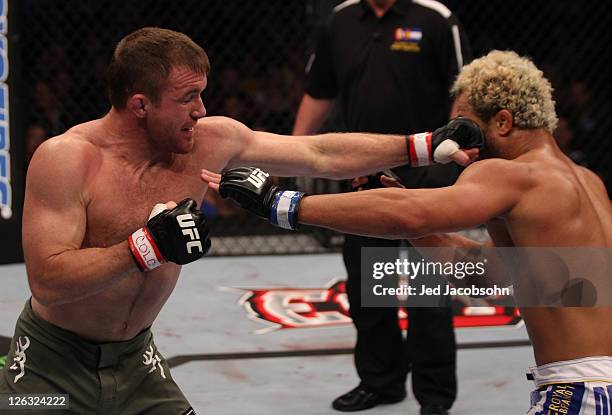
138 105
503 122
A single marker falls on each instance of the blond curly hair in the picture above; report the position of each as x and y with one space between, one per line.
505 80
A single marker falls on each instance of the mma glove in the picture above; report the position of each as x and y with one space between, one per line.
254 191
177 235
427 148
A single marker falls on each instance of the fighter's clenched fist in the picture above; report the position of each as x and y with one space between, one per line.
254 191
177 235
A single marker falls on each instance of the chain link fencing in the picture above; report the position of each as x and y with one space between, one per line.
570 42
258 52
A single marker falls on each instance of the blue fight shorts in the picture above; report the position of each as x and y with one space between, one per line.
573 387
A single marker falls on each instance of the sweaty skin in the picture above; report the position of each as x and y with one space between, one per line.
529 195
91 187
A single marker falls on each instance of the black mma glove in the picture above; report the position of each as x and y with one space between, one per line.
254 191
427 148
177 235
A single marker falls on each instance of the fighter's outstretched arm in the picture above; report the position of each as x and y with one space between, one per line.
342 155
390 213
460 248
484 191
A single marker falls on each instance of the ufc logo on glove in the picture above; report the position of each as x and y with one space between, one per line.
163 237
189 229
258 178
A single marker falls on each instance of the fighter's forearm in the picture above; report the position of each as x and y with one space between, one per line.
356 154
73 275
390 213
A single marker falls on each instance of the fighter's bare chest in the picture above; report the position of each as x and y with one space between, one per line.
119 201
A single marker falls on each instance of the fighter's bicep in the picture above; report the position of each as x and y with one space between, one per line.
279 155
469 203
485 192
486 202
54 217
50 229
455 208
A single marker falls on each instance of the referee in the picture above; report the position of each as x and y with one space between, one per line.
387 66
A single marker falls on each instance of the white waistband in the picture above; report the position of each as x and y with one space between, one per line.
586 369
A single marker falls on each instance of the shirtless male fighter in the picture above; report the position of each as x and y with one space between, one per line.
98 269
526 191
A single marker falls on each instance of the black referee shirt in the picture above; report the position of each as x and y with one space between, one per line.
389 74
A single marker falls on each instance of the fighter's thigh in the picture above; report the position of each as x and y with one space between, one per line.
33 368
150 388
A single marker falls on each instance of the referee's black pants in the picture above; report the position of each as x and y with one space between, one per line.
383 357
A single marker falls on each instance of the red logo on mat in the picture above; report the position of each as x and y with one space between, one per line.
291 308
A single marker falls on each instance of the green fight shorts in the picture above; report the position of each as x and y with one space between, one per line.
122 378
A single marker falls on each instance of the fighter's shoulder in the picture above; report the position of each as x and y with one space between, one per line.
68 154
219 126
592 178
497 169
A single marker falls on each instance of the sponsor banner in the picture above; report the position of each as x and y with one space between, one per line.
6 185
298 308
12 137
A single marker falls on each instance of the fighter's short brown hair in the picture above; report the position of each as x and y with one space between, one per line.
505 80
143 59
